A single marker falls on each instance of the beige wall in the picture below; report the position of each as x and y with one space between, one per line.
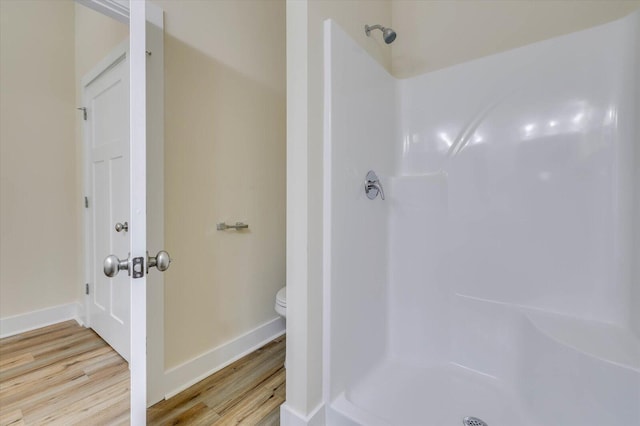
95 36
352 16
38 232
224 161
46 47
439 33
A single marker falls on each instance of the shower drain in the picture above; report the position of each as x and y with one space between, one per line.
473 421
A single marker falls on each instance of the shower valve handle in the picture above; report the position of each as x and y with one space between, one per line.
372 186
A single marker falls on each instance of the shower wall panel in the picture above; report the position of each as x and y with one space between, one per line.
533 150
635 256
359 135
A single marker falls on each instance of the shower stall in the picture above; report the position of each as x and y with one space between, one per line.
499 279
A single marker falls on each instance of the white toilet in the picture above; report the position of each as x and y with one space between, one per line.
281 302
281 307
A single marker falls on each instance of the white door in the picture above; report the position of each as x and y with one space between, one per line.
138 207
132 258
106 99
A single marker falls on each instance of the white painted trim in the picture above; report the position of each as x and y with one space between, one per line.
299 318
155 15
116 9
86 218
138 207
10 326
191 372
80 314
289 417
155 202
326 214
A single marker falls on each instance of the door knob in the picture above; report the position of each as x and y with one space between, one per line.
113 265
161 261
122 227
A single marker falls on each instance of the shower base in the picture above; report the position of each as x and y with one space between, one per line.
506 365
401 394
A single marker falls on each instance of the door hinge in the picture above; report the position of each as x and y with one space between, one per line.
86 202
84 112
86 288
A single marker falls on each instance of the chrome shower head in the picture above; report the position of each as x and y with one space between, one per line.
388 35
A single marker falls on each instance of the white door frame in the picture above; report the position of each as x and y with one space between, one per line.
146 33
116 9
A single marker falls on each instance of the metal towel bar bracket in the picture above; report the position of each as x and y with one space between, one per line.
239 225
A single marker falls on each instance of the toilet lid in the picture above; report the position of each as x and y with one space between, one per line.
281 297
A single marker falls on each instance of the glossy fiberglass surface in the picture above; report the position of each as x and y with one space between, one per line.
502 259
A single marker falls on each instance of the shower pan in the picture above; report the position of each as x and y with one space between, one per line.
498 282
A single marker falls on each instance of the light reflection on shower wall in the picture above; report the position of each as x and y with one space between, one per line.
538 178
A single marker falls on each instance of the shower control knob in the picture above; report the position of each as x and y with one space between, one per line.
372 186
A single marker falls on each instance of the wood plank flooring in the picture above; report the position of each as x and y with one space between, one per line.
249 391
65 374
62 374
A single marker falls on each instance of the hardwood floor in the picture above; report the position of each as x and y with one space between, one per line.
249 391
65 374
62 374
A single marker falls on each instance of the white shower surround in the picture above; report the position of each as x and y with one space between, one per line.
499 279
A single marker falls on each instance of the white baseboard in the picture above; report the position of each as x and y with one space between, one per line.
191 372
289 417
81 315
10 326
